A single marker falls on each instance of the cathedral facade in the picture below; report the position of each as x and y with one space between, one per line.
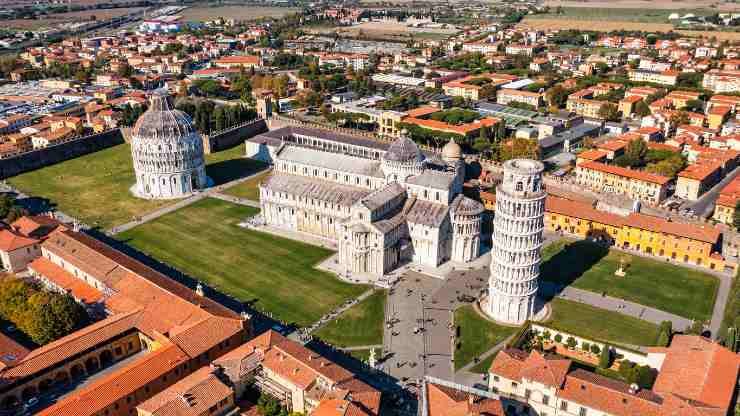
383 204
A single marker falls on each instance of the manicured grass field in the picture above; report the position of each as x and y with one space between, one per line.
600 324
585 265
483 366
477 335
248 189
360 325
95 187
276 274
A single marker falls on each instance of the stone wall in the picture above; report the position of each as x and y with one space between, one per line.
51 155
233 136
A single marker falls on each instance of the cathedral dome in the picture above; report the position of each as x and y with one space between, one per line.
403 150
451 151
162 121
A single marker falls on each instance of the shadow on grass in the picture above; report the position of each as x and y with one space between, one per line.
260 321
569 264
229 170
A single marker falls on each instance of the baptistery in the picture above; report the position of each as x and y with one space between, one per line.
167 152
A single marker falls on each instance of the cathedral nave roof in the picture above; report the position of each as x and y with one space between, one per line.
305 187
328 160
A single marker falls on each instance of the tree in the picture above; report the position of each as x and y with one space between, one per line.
696 106
558 338
642 109
731 340
219 118
679 118
481 145
585 346
609 112
557 96
696 328
605 359
595 349
636 149
546 334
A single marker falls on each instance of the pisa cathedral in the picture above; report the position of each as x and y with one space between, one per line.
383 204
167 152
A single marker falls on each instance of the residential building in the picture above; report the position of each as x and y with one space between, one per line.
669 77
635 184
301 379
721 81
696 179
724 208
506 96
695 376
470 87
239 61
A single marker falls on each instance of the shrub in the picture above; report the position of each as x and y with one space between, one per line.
558 338
546 335
595 349
571 343
585 346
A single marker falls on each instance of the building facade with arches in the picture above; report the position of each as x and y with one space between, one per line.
383 204
167 152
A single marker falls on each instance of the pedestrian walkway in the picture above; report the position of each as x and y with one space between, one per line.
209 192
622 306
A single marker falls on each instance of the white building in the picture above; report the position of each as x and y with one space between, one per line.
382 204
167 152
517 243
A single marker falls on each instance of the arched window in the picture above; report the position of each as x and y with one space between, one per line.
519 186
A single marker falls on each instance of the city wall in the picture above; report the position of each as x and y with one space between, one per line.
71 149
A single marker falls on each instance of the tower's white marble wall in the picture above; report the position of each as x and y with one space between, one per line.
517 242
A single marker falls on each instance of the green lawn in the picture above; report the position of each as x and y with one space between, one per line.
248 189
477 335
360 325
585 265
275 274
95 187
599 324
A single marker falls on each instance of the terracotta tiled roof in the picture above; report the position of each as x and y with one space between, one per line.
592 154
11 352
121 383
191 396
199 338
699 172
625 172
549 370
10 241
705 233
509 363
446 401
35 226
75 343
730 194
612 145
79 290
699 369
607 395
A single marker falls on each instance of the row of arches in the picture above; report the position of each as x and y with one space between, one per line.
518 242
529 226
519 208
59 377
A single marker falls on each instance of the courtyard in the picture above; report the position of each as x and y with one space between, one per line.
95 188
585 265
273 274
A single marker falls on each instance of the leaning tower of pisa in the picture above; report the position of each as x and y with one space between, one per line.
517 243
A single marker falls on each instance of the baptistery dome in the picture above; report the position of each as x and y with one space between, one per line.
167 152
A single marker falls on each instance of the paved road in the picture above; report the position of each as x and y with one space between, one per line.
704 206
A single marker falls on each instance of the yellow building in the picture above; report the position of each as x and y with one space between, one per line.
654 236
584 106
717 116
724 208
